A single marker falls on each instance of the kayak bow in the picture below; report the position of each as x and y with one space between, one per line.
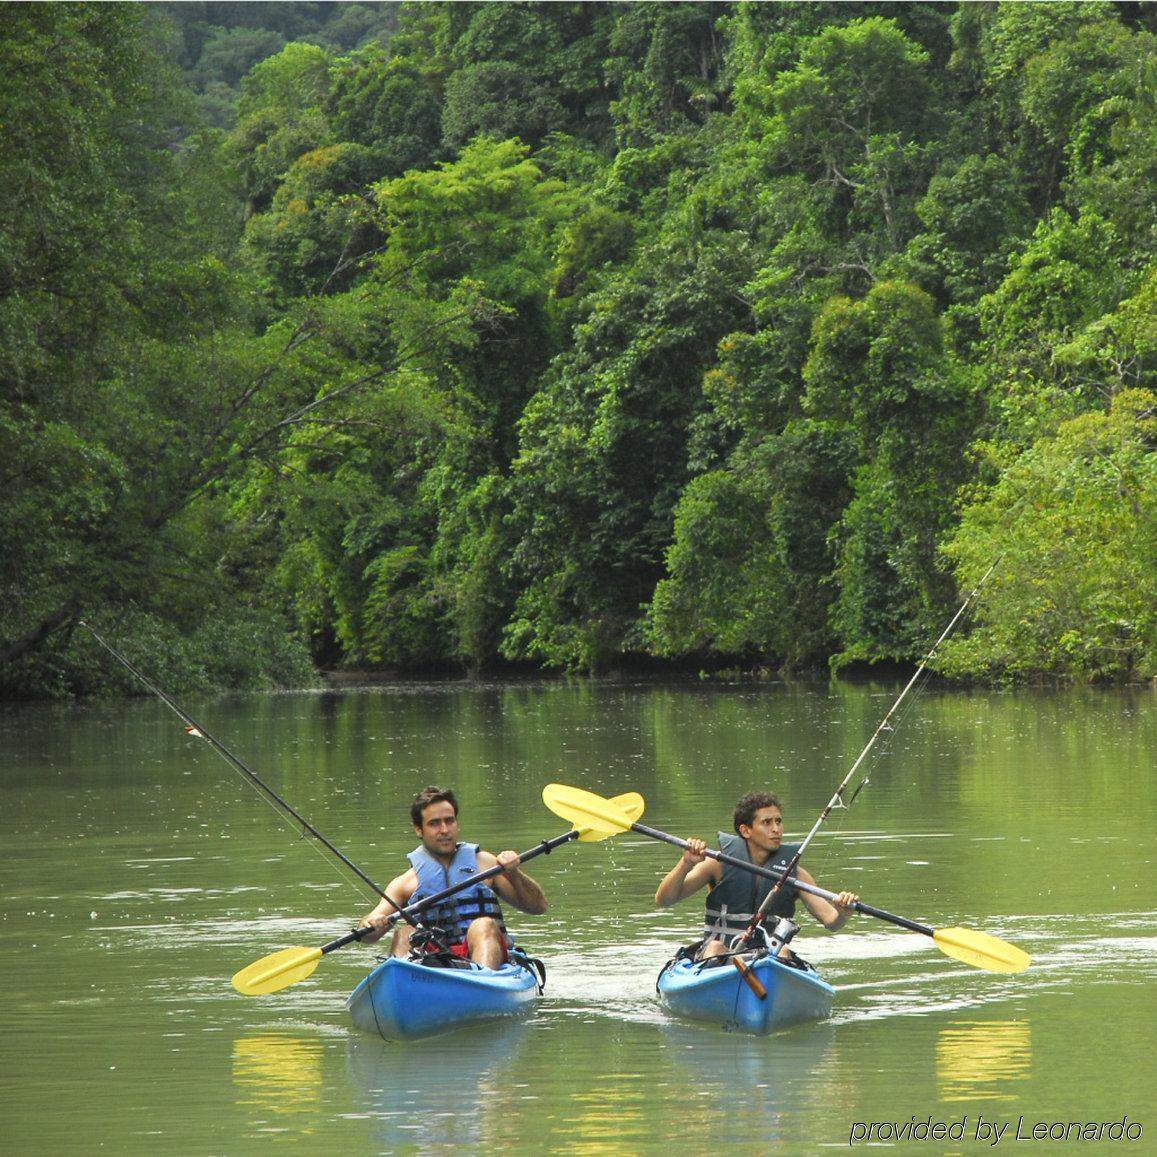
404 1000
713 991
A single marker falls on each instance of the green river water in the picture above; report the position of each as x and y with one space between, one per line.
139 871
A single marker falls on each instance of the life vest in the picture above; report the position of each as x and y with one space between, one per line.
454 914
738 895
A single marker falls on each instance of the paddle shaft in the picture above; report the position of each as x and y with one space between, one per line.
800 885
885 725
412 910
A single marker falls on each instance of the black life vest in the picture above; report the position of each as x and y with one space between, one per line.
738 895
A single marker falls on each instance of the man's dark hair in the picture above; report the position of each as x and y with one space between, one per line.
752 802
427 796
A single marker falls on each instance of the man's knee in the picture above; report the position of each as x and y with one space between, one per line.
484 928
712 948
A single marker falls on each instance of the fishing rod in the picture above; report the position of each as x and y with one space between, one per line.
195 729
837 799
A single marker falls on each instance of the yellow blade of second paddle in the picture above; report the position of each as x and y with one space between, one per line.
630 804
586 810
981 950
277 971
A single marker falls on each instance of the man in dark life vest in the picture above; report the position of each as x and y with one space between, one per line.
471 919
735 895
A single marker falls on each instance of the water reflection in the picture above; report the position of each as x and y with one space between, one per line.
778 1079
446 1092
977 1059
278 1072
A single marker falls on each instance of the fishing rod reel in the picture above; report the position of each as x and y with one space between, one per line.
780 935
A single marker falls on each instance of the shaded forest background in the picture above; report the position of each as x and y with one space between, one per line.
461 338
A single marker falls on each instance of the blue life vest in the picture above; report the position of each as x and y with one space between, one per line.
454 914
738 895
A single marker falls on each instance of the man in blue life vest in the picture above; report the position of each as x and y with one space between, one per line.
470 920
736 895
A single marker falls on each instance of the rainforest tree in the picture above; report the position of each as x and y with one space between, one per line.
434 336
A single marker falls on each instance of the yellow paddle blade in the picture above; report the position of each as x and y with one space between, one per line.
631 804
586 810
981 950
277 971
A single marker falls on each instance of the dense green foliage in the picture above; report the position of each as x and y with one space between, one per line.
441 336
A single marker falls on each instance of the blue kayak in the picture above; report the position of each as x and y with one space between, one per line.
717 993
407 1000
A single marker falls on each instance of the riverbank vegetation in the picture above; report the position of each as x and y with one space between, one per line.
445 337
